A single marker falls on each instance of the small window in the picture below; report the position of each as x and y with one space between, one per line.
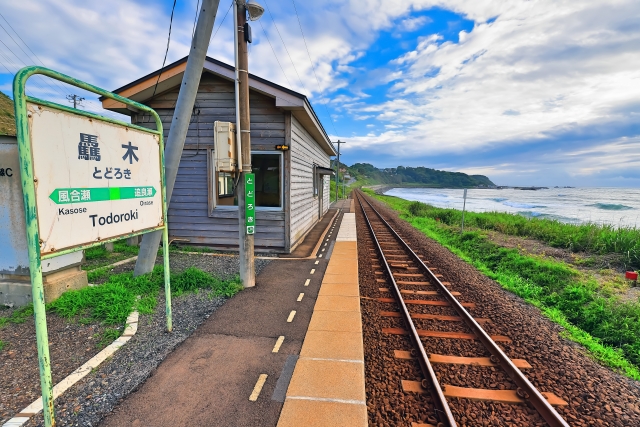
225 184
267 168
268 171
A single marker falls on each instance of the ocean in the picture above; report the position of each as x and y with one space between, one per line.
615 206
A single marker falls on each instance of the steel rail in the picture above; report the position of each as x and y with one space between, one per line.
527 390
443 412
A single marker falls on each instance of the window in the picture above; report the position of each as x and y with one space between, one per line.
267 167
268 171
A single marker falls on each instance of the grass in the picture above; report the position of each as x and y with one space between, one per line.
590 314
2 345
112 302
98 256
19 316
197 249
589 237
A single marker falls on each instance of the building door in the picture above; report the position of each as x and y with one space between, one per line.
320 195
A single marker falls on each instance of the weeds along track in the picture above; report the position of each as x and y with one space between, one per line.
432 330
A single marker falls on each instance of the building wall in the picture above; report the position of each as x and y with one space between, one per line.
190 216
304 206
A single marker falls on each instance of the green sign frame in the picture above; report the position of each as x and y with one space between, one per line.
29 196
250 202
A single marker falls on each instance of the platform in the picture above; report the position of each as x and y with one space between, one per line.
327 387
235 369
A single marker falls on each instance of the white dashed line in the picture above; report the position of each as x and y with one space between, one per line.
279 342
291 316
306 283
317 262
258 388
313 270
300 296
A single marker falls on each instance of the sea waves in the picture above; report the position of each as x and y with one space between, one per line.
611 207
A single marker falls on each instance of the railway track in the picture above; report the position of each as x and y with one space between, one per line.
419 295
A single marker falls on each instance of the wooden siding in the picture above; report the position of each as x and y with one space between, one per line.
305 152
189 215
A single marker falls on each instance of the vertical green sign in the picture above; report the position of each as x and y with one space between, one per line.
250 202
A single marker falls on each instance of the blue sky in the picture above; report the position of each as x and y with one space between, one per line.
541 92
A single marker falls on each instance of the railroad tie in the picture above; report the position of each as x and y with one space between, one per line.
481 394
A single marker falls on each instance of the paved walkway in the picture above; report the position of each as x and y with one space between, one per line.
327 387
235 369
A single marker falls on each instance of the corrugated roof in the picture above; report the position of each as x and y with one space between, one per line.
7 116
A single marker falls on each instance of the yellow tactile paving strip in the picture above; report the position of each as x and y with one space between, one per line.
327 387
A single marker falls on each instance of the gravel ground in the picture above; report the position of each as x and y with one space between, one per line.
72 344
596 395
95 396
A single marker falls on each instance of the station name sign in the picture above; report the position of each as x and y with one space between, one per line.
94 180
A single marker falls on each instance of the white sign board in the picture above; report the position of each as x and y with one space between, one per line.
94 180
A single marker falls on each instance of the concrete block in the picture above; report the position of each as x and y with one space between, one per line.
57 283
15 293
109 246
133 241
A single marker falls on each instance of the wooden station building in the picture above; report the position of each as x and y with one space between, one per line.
292 186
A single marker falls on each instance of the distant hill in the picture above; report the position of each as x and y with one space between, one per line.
419 176
7 116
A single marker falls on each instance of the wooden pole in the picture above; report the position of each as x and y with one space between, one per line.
464 204
246 240
180 124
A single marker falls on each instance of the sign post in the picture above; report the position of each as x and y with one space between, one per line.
86 180
250 202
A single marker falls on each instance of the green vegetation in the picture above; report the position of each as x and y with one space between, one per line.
341 193
112 301
7 116
2 345
19 316
367 174
592 238
98 256
591 315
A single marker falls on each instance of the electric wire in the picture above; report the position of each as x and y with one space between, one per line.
274 53
166 52
56 82
311 62
285 47
11 62
24 64
195 18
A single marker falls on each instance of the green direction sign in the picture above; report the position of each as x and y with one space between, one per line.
63 196
250 202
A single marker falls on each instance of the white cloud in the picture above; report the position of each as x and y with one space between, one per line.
413 23
540 67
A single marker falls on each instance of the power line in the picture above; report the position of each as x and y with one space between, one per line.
195 19
167 50
23 63
274 54
311 62
30 50
9 61
285 47
222 22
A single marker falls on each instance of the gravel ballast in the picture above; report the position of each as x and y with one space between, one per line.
95 396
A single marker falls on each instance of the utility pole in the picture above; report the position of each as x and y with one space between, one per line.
180 124
338 169
246 241
77 100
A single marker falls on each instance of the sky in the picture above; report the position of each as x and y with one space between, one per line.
537 92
